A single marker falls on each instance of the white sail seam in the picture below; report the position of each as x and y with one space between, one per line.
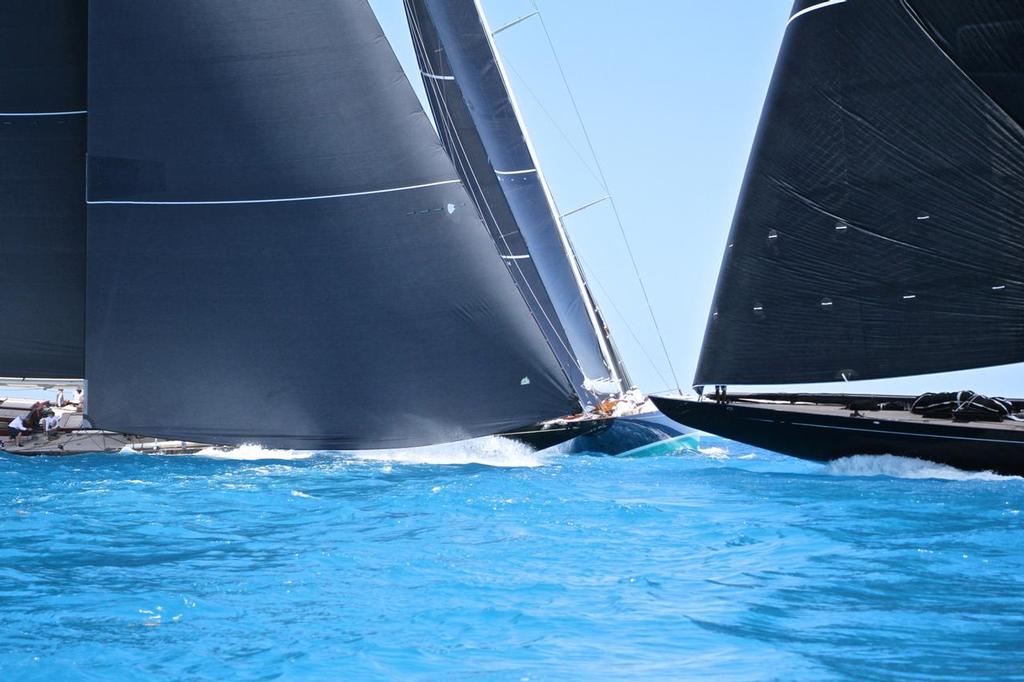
813 8
516 172
277 201
42 113
436 77
515 257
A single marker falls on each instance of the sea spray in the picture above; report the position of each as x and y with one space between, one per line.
253 452
906 467
490 451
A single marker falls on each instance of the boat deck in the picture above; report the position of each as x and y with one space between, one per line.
73 435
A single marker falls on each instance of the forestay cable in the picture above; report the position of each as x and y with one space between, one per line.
604 185
446 125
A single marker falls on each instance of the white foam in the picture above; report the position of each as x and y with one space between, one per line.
489 451
715 452
906 467
299 493
252 452
246 453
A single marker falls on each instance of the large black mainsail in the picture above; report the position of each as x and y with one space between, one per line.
880 230
479 125
42 187
279 249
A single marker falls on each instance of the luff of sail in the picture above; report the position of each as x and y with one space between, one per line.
279 249
879 229
42 187
479 125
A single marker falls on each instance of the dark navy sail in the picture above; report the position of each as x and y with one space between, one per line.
42 187
880 230
279 249
479 126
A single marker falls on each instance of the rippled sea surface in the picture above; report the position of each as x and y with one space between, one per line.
487 561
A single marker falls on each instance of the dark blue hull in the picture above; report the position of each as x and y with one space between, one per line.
611 436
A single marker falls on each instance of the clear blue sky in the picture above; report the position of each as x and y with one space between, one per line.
671 93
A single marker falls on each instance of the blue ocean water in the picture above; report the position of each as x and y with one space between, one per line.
487 561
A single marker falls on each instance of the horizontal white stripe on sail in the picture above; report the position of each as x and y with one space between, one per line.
276 201
435 77
515 257
516 172
42 113
813 8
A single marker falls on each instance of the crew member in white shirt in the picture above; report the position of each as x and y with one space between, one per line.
16 428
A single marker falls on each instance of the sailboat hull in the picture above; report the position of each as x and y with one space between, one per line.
610 436
825 428
550 435
75 435
633 434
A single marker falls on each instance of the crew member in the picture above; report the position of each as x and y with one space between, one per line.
16 428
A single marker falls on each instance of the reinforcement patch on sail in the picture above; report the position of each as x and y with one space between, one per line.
42 187
879 229
280 251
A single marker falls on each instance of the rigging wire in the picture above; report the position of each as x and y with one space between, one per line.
604 184
612 363
450 130
591 276
551 119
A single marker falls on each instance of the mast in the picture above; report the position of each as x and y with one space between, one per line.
481 126
465 145
600 330
271 220
879 229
